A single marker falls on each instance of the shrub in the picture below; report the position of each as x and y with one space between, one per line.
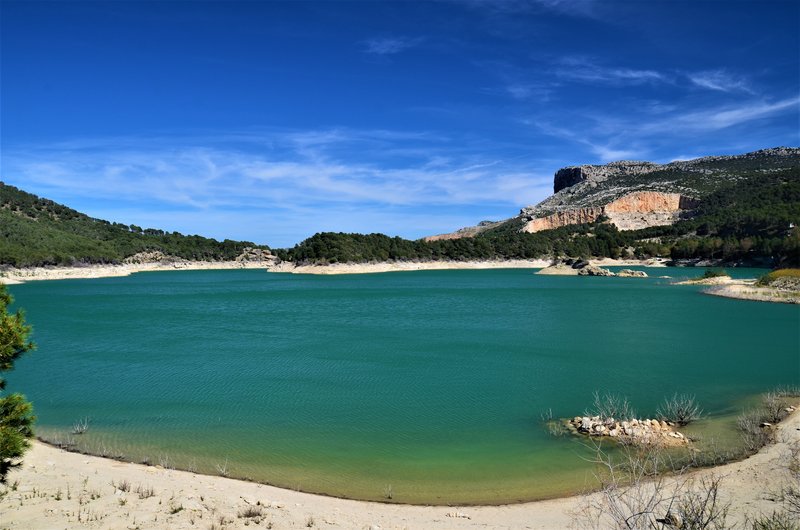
714 273
780 274
608 406
681 409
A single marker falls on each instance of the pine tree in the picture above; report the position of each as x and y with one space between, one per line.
16 413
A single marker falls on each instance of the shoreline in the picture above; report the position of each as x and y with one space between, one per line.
16 276
743 289
372 268
56 488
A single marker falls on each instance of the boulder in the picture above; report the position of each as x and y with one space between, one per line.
594 270
629 273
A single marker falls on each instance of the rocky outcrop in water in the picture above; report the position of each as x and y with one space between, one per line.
629 273
645 431
594 270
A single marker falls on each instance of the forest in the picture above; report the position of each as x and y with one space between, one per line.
40 232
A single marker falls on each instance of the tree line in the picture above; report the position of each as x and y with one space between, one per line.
40 232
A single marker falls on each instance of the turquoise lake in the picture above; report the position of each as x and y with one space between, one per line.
424 386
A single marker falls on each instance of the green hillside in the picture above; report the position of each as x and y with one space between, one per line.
37 232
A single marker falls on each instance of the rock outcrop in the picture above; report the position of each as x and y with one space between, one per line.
594 270
469 231
634 195
153 256
645 431
569 176
628 273
565 218
255 254
640 209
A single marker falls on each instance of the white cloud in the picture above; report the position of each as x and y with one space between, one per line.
720 80
306 174
587 70
390 45
626 136
582 8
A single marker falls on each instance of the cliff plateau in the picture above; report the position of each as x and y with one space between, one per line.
635 194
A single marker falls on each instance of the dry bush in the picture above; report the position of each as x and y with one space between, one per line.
642 488
680 408
607 406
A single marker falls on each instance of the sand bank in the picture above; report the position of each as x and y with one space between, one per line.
364 268
749 291
744 289
15 276
57 489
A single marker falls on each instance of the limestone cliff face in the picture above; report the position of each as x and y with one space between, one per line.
633 211
569 176
565 218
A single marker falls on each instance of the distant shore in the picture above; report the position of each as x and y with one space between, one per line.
744 289
368 268
15 276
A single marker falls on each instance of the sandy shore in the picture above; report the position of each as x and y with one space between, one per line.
57 489
748 291
15 276
744 289
365 268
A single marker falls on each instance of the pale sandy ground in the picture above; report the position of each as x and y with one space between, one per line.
15 276
748 291
57 489
362 268
744 289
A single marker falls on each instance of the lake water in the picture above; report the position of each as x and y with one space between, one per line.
423 386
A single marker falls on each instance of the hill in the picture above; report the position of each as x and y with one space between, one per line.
37 232
743 208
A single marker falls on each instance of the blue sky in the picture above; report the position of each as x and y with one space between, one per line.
270 121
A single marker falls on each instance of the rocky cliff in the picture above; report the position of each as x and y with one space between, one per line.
633 211
569 176
634 195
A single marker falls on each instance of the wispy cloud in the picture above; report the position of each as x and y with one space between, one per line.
391 45
637 135
587 70
583 8
728 116
720 80
300 174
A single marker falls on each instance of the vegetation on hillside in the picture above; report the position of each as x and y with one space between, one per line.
782 278
37 232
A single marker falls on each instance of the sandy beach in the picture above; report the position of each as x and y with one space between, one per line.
58 489
16 276
744 289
